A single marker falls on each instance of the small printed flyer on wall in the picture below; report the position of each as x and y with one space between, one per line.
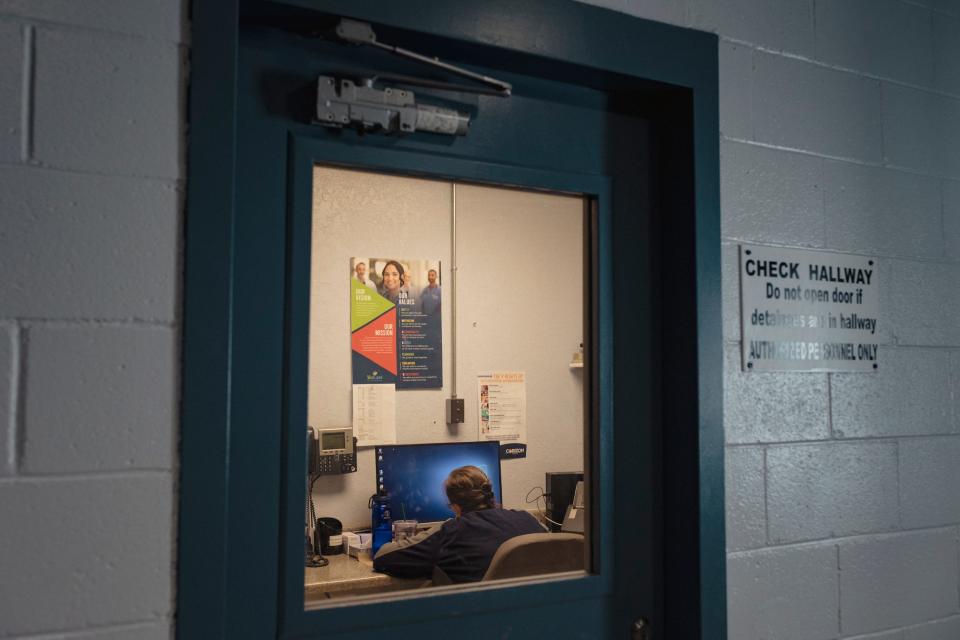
502 405
395 322
374 414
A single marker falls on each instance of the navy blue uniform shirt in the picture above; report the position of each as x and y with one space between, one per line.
461 547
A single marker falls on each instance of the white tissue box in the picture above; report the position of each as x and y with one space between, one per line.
355 544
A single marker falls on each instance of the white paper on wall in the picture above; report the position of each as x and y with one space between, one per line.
374 414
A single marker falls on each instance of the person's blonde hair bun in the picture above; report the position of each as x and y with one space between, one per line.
470 489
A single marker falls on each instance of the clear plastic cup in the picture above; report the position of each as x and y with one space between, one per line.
404 529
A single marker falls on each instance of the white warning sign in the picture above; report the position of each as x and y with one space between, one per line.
808 310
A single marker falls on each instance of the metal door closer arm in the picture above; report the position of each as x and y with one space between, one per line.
344 103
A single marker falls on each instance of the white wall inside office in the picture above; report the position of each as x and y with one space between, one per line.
519 308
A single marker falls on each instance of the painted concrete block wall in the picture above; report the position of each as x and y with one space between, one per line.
91 170
840 130
840 123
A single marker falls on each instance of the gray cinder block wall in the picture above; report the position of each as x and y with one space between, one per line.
91 181
840 130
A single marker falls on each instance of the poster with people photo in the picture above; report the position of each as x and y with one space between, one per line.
395 322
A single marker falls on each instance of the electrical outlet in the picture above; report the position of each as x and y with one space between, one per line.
454 410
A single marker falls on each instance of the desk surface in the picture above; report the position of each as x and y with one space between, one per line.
349 576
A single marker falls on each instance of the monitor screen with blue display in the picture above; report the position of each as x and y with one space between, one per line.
413 474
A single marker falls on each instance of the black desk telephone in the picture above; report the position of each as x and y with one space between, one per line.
332 451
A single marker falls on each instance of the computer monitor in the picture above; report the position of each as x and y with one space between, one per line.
412 475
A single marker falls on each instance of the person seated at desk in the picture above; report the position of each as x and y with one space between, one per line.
461 547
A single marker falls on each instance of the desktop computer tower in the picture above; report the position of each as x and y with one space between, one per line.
559 489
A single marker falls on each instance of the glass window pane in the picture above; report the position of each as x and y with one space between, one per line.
446 384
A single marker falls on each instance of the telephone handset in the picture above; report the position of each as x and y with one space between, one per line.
332 451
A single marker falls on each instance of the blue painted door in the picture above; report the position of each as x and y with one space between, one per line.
624 140
545 136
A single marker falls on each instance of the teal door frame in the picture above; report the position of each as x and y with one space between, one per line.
224 351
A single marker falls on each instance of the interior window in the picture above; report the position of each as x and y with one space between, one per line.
446 439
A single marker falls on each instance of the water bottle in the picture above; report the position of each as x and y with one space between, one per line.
381 522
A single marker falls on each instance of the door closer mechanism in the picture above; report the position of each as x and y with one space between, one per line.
342 102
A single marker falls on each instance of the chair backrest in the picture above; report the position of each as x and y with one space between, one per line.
536 553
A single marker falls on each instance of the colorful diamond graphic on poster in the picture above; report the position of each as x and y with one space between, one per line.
376 344
365 305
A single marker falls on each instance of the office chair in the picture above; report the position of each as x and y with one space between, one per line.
536 553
